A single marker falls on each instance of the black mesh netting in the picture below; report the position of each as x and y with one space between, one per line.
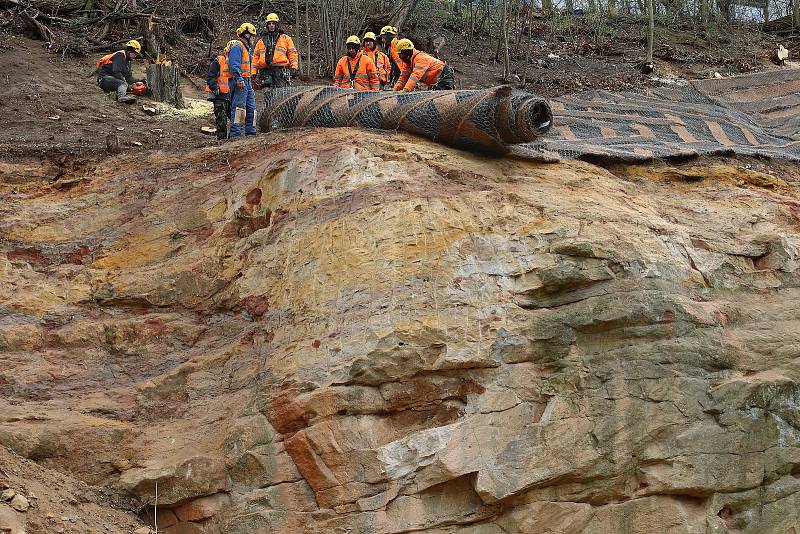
754 114
484 121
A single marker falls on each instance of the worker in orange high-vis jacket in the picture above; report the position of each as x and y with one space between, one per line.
380 59
355 70
240 68
114 71
417 66
219 91
275 56
389 44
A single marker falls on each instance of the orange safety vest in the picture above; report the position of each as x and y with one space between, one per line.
381 62
284 55
424 68
359 74
246 67
394 53
224 75
107 59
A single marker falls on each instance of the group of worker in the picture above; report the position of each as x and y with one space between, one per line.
369 69
269 59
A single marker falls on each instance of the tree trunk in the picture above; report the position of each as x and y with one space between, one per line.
506 56
725 8
297 28
151 45
528 48
164 81
308 41
795 13
402 12
650 31
705 12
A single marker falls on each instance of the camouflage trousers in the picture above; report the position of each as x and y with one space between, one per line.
222 109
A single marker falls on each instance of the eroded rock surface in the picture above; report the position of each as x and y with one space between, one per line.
296 334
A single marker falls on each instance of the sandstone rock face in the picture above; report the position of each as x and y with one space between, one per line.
296 334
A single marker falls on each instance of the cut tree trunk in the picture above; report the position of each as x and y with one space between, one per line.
151 33
164 80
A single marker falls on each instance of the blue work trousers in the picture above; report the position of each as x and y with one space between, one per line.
243 98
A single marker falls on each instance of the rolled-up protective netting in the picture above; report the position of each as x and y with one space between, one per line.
479 120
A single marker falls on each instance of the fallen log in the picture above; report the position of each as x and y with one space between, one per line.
484 121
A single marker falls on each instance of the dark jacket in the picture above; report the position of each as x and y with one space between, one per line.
120 67
213 74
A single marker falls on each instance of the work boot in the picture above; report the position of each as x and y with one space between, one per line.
127 99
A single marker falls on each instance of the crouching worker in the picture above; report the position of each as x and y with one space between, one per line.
242 94
417 66
114 71
356 70
219 91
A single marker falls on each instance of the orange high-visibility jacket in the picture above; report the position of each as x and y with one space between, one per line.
393 53
284 55
224 75
246 66
381 62
105 60
423 68
358 73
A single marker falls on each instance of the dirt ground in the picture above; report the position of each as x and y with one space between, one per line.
60 503
52 109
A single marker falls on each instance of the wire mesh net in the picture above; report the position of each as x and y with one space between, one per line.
483 121
755 114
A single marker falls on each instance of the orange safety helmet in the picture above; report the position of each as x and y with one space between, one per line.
139 88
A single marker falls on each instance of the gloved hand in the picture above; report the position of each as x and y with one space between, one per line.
240 84
296 73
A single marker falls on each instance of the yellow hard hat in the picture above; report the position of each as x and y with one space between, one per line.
246 28
133 43
389 29
369 35
273 17
404 44
230 44
353 39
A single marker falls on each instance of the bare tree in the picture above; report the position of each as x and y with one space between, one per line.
504 29
650 32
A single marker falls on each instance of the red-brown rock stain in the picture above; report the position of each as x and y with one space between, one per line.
28 255
669 323
256 305
77 256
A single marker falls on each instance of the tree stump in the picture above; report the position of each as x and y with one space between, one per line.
112 144
164 80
